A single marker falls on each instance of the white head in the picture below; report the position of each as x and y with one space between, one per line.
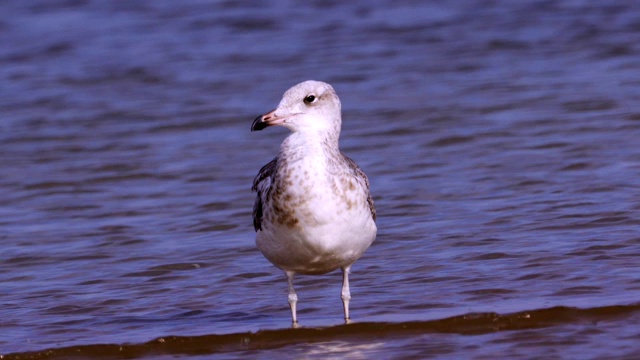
309 107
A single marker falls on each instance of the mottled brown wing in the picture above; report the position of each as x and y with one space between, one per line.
362 177
261 185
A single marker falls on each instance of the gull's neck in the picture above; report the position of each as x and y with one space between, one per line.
310 144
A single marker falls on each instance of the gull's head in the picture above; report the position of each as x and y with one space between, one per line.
309 107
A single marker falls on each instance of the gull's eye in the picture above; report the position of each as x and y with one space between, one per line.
310 99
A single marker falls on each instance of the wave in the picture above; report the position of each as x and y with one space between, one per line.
469 324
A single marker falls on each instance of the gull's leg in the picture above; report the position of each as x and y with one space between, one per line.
346 294
293 298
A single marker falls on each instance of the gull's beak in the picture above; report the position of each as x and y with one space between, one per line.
268 119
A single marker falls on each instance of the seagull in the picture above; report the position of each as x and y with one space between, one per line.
313 211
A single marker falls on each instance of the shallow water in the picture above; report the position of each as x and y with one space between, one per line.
501 142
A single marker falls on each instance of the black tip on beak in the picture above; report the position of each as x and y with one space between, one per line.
258 124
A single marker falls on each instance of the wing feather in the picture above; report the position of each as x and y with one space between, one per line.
262 186
363 179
